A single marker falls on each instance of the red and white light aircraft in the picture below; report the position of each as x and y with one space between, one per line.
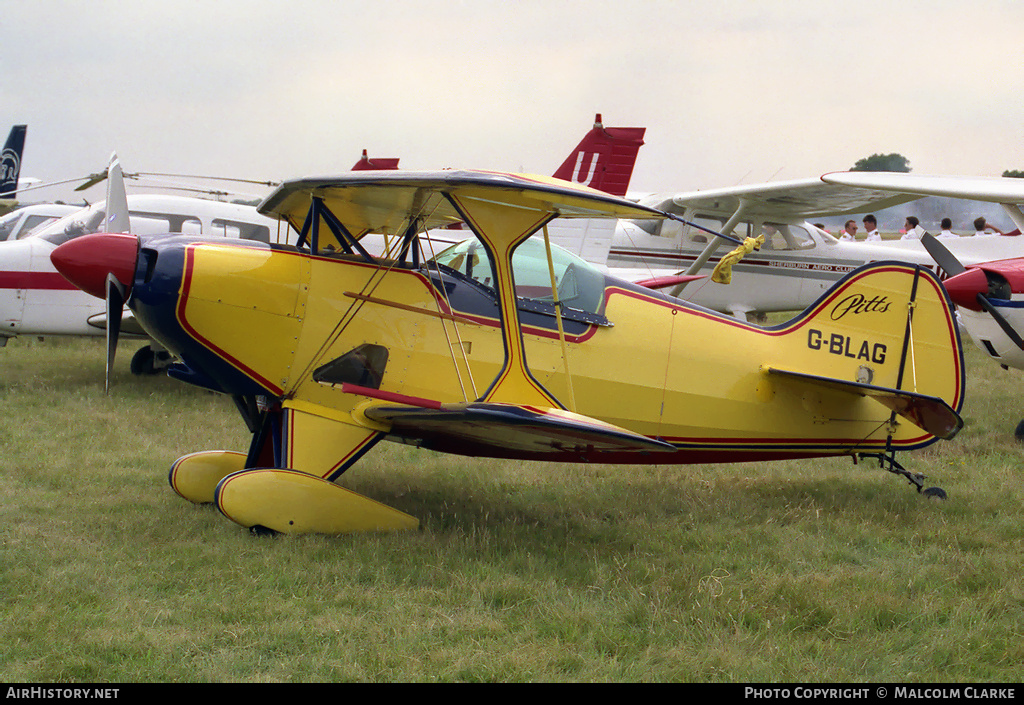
36 300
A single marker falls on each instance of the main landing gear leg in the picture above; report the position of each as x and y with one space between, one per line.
888 461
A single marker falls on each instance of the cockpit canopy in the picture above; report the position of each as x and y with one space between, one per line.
580 285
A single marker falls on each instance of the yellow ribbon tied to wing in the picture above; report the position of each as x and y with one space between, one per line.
723 270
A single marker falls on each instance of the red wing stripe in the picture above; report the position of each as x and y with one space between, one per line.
35 280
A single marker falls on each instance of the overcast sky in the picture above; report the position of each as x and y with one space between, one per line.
730 91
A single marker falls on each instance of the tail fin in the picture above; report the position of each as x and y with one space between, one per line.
10 161
117 199
367 164
604 158
886 331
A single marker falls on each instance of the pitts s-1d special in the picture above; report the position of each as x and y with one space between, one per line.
504 346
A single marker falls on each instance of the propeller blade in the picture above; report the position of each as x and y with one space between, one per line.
942 256
115 307
993 311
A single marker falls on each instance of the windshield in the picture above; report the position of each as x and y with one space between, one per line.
579 284
93 219
72 226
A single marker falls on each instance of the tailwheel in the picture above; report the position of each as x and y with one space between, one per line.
934 493
889 462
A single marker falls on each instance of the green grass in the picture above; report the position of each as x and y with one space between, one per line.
792 571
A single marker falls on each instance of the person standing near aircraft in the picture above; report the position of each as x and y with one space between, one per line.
871 225
947 231
981 227
849 231
914 231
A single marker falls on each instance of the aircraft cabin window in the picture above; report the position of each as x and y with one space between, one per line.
780 236
244 231
92 221
7 227
73 226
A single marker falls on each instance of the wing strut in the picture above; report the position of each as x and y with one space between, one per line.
558 318
716 242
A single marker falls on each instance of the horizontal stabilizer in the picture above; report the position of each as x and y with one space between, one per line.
929 413
500 429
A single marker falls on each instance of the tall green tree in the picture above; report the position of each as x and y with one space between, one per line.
1014 173
882 162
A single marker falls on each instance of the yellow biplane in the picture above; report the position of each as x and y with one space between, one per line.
504 346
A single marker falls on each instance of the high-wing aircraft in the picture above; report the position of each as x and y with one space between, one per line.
503 346
989 294
797 262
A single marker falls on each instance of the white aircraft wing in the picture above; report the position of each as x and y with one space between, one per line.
997 189
803 198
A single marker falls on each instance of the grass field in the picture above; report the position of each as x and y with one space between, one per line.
792 571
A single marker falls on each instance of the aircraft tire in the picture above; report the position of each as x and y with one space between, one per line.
1019 432
142 362
935 493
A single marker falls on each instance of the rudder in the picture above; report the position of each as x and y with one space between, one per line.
887 328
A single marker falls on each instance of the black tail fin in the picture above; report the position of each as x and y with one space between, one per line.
10 161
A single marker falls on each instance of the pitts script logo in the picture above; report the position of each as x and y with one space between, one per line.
9 166
857 303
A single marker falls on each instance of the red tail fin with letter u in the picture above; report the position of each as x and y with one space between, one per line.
604 158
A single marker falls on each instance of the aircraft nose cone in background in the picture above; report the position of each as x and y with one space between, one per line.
963 289
86 261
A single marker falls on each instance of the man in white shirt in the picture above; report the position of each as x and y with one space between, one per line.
871 225
982 228
947 231
912 229
849 231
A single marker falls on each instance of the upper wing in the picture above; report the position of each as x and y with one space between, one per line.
387 201
804 198
996 189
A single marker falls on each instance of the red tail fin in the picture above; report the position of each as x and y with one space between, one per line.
366 164
604 159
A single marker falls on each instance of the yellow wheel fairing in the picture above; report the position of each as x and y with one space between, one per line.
293 502
195 476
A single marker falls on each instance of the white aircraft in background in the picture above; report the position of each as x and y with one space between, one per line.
36 300
798 261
